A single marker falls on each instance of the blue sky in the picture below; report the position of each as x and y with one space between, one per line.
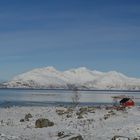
98 34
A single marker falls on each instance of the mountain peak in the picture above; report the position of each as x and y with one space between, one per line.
44 69
50 68
80 69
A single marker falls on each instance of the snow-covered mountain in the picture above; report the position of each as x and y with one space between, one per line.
81 78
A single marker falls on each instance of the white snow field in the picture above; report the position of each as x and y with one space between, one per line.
91 123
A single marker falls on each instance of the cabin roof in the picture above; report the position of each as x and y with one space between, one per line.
124 100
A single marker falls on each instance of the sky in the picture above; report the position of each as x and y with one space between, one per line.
101 35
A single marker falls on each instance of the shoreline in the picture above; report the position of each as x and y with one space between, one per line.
62 89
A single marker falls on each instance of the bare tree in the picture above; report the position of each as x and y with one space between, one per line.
75 97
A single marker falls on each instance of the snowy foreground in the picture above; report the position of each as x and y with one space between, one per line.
89 122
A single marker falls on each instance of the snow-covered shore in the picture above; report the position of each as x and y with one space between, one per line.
89 122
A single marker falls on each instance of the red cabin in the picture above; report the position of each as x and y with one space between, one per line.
127 102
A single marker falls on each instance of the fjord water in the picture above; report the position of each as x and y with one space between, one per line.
22 97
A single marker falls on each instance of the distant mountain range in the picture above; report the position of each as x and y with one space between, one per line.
81 78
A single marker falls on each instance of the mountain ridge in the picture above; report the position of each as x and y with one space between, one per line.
80 78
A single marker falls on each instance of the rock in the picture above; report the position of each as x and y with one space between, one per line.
67 135
60 134
138 138
26 119
50 123
79 137
69 115
80 116
83 109
106 116
120 138
1 121
64 111
40 123
60 112
22 120
64 134
27 116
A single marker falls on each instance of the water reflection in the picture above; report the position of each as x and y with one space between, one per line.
45 97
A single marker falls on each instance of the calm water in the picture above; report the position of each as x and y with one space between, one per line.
10 97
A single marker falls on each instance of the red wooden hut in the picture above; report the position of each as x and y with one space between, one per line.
127 102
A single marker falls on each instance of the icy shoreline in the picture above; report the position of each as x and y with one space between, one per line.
89 122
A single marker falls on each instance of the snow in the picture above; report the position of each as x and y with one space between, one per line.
81 78
91 126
